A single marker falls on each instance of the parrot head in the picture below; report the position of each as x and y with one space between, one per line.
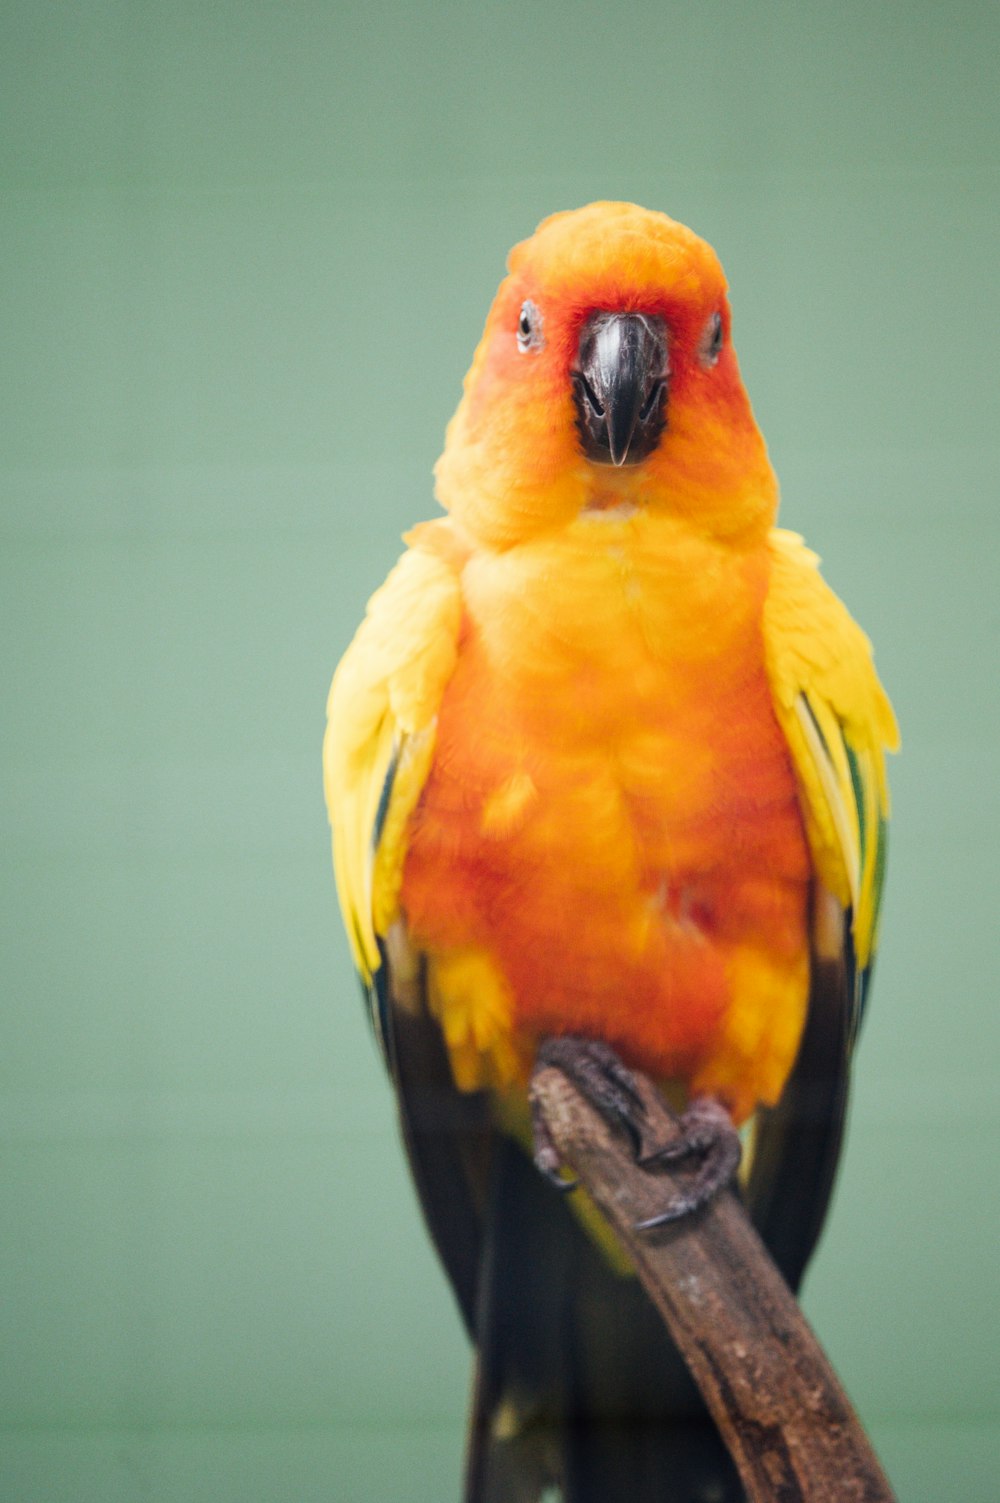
605 382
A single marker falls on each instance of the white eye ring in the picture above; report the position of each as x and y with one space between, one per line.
712 340
529 328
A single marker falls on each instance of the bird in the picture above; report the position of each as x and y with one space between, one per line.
605 769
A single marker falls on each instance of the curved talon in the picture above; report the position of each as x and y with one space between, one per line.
554 1175
707 1132
546 1155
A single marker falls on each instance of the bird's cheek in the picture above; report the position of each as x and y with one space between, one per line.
525 416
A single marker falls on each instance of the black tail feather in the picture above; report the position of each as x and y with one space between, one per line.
577 1383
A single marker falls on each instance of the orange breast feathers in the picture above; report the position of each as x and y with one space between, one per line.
609 842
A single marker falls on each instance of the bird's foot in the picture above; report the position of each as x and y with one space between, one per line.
707 1136
608 1085
596 1070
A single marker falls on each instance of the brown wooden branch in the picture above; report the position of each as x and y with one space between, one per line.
778 1403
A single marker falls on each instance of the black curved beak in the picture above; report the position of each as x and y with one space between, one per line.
620 387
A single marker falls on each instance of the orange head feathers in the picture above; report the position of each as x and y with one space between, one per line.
606 374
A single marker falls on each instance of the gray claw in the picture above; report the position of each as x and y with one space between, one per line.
707 1132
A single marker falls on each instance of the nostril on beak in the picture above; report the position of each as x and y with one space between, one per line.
656 394
590 395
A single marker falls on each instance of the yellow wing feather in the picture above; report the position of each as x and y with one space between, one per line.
381 720
839 724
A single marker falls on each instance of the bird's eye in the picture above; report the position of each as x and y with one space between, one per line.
712 339
529 328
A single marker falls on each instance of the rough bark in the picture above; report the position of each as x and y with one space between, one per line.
788 1423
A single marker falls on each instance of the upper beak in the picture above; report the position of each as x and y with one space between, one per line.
620 387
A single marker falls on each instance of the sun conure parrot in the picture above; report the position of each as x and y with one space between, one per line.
605 768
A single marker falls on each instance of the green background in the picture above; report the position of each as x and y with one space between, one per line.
246 252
